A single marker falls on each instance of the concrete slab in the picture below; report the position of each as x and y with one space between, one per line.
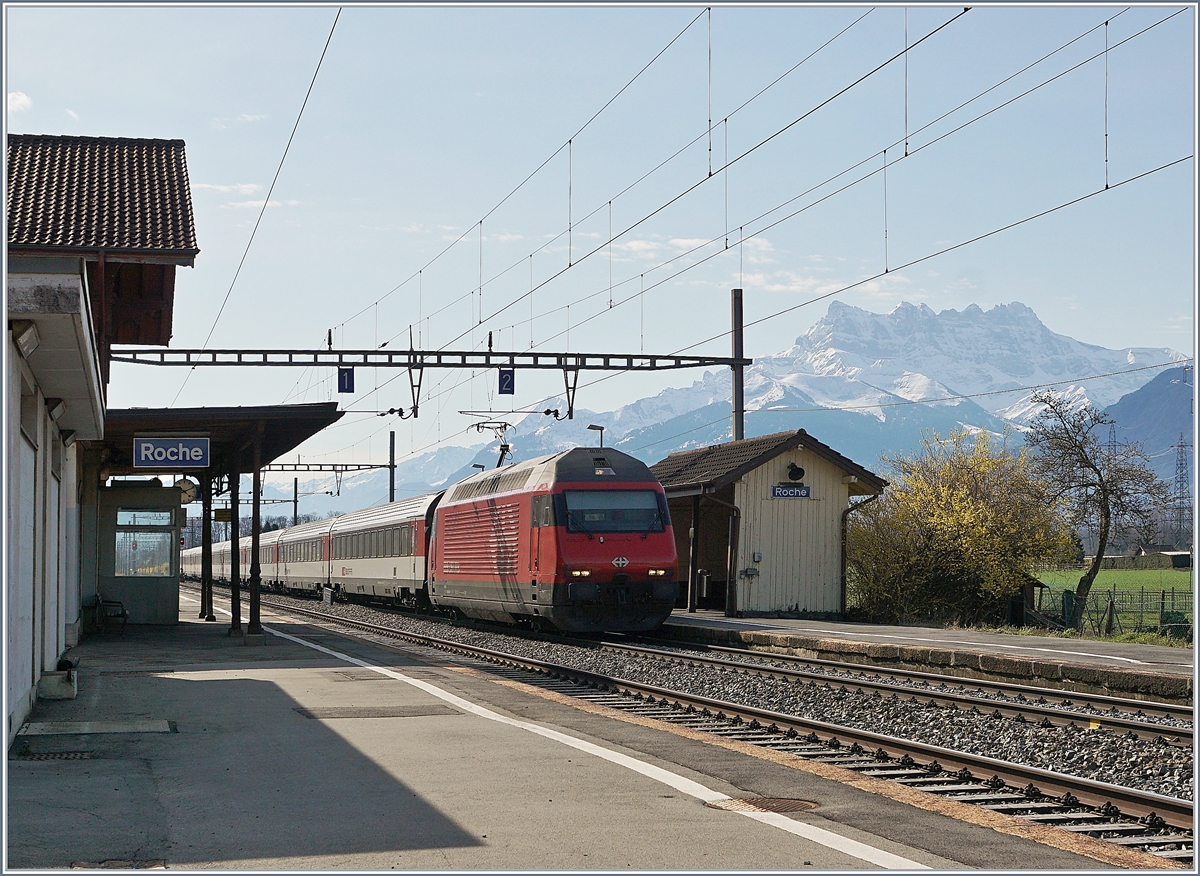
290 758
1152 672
86 728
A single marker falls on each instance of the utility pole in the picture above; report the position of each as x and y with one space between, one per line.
739 400
295 501
391 466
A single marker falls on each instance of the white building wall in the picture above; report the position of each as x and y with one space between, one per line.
41 590
71 577
799 539
20 588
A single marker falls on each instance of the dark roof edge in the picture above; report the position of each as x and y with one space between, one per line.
186 257
787 442
98 139
238 412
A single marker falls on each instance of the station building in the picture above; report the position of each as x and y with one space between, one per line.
760 523
96 229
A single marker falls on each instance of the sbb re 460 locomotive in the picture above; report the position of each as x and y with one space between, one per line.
580 541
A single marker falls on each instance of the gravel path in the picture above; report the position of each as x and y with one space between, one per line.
1149 764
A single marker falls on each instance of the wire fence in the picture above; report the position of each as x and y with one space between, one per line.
1168 612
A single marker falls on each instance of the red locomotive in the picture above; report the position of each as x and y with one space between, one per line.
580 541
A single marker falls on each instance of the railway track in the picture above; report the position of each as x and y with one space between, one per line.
1123 816
1021 702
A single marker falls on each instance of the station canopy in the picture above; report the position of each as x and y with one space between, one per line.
231 432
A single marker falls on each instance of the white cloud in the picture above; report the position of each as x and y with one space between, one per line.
74 115
18 101
506 237
247 117
239 188
688 242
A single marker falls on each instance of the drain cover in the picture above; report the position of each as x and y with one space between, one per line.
57 755
762 804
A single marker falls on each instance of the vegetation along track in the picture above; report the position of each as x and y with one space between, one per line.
1128 817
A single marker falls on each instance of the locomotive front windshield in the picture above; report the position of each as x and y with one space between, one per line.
594 511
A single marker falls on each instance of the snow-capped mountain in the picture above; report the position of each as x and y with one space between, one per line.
852 380
914 353
861 364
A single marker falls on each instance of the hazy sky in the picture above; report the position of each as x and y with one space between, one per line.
423 120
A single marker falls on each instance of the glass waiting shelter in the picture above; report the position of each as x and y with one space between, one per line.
139 528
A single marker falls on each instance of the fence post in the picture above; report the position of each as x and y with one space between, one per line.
1162 608
1141 627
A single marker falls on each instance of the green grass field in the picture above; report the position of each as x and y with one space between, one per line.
1127 580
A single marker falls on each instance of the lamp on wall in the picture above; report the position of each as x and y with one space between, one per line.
55 408
25 334
68 437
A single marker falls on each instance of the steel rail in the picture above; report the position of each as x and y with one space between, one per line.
1160 709
1101 795
1184 735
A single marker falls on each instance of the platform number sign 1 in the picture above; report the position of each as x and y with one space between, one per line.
345 380
508 381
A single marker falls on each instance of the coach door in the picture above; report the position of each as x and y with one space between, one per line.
541 516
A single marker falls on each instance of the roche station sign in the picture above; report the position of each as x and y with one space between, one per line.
170 453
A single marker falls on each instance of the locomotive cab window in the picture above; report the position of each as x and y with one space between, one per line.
595 511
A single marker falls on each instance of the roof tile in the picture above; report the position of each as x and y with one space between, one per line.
716 466
92 193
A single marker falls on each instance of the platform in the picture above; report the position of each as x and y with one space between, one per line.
317 751
1152 672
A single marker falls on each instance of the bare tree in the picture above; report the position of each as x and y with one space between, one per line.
1109 487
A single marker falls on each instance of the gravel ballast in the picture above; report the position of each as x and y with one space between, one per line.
1143 762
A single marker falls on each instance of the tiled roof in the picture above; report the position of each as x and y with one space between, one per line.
91 193
722 464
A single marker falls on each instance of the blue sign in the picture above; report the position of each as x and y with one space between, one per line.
345 380
170 453
789 491
508 381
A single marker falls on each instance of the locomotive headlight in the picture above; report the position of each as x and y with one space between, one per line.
657 573
580 573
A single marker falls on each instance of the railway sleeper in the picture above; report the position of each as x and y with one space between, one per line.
1018 807
1116 827
1152 841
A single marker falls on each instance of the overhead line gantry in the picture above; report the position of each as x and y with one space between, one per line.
416 361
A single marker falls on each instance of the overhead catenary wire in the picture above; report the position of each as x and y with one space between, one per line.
752 149
564 233
994 111
536 170
830 179
267 199
742 235
835 176
910 264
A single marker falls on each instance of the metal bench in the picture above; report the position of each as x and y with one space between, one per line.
108 611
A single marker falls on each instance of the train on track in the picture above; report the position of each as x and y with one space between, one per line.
580 541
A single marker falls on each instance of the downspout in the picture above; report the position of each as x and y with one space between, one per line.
735 525
845 517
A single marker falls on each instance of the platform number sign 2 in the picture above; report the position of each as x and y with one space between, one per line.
345 380
508 381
